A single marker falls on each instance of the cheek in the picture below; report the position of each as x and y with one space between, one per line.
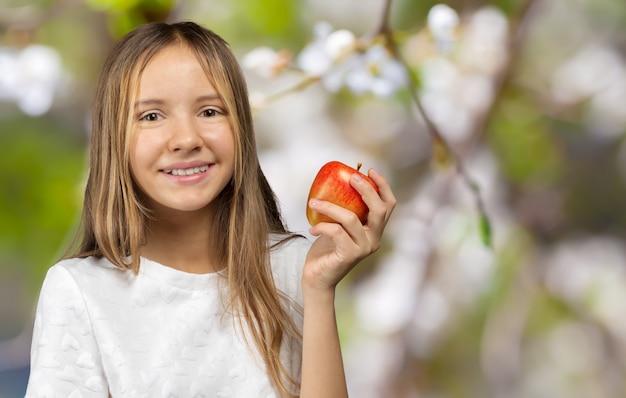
222 143
139 157
143 148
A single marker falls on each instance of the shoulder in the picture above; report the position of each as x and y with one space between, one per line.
72 264
62 295
64 271
80 273
95 266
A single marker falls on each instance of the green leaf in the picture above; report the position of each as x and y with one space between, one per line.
486 232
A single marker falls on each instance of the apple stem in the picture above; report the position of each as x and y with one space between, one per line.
358 166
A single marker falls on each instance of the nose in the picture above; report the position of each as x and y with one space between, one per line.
185 137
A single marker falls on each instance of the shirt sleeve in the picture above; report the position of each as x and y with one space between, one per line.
287 263
65 359
287 267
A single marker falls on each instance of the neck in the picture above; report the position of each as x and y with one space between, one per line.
181 241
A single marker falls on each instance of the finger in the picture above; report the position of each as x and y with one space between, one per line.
346 250
384 190
379 209
345 218
376 208
347 223
364 188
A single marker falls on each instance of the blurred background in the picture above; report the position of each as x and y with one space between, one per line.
499 124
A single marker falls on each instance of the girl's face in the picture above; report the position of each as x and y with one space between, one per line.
182 148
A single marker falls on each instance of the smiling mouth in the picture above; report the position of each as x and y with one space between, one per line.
186 172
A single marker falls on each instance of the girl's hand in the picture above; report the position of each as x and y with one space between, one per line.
340 246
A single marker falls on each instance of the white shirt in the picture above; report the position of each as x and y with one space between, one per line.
102 331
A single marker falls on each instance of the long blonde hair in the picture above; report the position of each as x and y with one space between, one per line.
114 218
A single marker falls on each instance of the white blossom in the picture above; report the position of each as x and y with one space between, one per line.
328 47
335 58
375 71
314 59
442 22
340 43
266 62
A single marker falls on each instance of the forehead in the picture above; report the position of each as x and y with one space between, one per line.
176 71
174 60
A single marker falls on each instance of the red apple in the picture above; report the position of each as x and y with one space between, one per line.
332 184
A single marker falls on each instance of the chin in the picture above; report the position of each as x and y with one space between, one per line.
189 207
165 207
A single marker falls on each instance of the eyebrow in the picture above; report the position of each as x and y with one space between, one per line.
150 102
211 97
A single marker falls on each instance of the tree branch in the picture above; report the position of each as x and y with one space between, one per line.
441 148
385 17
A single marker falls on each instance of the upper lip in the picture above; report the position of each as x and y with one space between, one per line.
186 165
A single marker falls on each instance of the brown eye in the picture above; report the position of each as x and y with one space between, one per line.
210 112
150 117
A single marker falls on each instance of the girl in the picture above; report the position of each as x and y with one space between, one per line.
186 282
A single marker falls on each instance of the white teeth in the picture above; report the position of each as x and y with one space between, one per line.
187 172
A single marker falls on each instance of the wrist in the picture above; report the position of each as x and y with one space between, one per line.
317 295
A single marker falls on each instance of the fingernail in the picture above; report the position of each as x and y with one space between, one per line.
357 178
314 202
